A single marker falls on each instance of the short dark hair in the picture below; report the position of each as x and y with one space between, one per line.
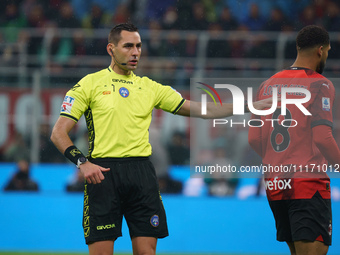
311 36
114 35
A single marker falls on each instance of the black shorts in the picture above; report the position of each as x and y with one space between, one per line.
130 189
303 219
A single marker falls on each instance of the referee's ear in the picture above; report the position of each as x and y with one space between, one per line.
109 49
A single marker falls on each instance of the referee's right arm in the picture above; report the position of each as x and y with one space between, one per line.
60 131
91 172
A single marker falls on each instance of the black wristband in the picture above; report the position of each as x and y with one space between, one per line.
73 154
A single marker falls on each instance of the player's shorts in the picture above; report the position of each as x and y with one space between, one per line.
303 219
130 189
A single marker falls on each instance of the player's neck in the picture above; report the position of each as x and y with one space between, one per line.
305 62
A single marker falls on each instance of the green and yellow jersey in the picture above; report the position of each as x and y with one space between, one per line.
118 111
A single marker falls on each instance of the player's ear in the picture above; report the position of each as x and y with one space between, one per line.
320 51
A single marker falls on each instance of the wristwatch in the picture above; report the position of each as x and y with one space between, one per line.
81 161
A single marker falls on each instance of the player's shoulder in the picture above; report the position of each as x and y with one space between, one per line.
321 82
297 72
319 78
279 74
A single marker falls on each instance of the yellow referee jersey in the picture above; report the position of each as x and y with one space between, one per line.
118 111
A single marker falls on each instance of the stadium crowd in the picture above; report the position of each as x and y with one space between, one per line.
172 14
194 15
179 48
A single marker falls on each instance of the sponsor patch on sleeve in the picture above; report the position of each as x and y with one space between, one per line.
66 107
326 104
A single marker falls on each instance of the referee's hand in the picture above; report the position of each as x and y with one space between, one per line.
93 173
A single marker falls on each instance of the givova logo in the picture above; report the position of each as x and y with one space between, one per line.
108 226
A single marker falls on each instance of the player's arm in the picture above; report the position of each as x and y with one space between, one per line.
60 137
193 109
322 122
324 140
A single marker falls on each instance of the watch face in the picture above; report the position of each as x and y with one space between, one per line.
82 159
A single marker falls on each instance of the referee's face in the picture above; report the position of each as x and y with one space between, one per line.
127 52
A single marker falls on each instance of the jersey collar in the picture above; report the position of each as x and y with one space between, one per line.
298 68
122 75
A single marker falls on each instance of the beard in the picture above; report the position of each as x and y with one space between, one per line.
321 67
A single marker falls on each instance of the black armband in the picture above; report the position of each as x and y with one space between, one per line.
73 154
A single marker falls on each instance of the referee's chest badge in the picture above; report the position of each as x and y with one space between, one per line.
154 220
124 92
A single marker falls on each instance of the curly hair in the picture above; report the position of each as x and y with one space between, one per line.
311 36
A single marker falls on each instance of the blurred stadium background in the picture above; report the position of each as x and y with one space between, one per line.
46 46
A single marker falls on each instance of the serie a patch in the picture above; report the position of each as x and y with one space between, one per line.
68 102
326 104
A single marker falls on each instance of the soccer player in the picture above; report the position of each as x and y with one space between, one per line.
120 179
300 197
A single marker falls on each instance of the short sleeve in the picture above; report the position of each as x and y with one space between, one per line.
321 108
168 99
76 101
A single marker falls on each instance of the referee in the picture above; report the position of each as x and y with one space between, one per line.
119 178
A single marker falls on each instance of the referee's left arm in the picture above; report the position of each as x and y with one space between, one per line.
193 109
